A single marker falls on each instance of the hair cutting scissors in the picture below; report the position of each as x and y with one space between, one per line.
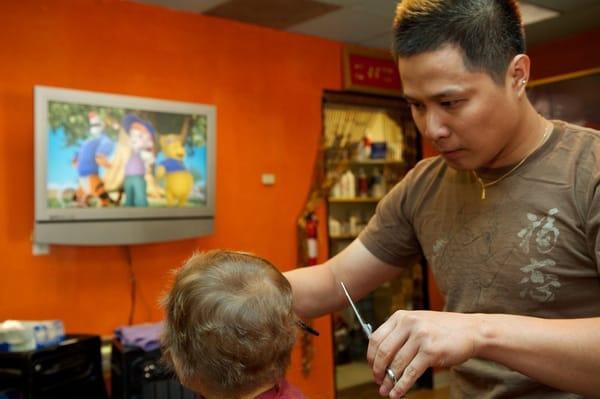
368 330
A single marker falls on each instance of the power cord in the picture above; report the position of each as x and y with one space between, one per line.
132 282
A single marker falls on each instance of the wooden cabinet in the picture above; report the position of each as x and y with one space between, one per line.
349 122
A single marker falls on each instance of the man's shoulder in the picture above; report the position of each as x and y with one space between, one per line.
578 142
431 165
422 177
579 133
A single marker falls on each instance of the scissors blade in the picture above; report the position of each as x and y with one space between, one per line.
366 327
368 331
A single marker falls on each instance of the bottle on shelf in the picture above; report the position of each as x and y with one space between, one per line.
336 190
344 189
335 227
377 185
364 149
362 184
348 185
354 224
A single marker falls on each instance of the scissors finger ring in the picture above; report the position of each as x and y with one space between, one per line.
390 373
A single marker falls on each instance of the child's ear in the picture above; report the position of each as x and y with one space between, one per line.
167 359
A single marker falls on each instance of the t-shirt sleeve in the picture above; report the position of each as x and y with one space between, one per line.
389 235
593 227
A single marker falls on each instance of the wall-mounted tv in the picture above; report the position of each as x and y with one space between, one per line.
113 169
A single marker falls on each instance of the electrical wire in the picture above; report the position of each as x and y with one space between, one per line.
132 282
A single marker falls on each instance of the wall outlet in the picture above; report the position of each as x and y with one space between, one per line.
267 179
39 249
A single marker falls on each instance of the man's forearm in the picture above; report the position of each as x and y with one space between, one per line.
564 354
317 289
314 290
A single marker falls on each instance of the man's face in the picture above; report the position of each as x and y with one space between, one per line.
465 115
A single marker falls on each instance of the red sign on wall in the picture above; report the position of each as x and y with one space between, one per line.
370 71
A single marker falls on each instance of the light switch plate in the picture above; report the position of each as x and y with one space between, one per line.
38 249
268 179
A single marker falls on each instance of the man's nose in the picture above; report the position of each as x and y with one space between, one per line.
435 128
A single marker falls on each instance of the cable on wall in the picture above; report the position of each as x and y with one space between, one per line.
132 282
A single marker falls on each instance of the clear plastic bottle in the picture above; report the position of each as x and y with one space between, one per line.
351 184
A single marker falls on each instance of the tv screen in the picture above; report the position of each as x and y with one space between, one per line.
115 169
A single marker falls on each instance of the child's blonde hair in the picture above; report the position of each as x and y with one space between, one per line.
229 322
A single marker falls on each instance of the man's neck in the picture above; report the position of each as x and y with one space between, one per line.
528 135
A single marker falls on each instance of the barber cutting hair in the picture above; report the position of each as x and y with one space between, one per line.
507 217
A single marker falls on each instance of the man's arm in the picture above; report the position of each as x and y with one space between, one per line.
564 354
317 290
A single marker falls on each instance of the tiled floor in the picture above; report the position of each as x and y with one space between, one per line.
370 391
352 374
355 381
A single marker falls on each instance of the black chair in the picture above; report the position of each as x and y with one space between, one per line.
136 374
70 370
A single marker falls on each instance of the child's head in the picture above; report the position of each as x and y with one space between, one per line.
229 324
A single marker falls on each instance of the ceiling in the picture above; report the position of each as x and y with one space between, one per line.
367 22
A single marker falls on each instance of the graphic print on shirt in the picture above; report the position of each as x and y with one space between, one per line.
539 284
470 254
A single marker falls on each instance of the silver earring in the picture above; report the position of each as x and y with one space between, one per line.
523 81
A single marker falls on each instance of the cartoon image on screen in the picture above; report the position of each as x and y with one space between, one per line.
111 157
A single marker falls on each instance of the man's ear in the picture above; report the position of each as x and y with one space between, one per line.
517 74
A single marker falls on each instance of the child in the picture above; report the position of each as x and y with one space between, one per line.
230 328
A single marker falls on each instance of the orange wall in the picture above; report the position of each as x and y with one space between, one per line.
267 87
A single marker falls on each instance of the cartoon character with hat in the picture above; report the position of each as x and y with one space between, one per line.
141 142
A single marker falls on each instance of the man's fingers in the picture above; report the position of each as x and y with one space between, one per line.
387 351
411 373
401 360
378 336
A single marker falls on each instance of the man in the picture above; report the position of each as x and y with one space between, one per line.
507 217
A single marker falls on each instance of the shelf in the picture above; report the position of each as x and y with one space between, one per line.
358 200
370 162
344 237
376 162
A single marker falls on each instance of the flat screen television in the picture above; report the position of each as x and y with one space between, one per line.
113 169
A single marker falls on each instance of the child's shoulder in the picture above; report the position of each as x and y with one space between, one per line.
283 390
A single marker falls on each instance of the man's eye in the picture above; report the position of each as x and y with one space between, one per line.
417 106
450 103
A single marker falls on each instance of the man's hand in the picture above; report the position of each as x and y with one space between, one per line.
411 341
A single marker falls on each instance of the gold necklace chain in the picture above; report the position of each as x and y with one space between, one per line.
484 185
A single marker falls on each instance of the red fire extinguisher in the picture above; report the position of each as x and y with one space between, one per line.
311 238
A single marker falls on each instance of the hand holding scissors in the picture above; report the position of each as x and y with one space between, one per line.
367 329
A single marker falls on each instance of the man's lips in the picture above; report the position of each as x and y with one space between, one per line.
451 153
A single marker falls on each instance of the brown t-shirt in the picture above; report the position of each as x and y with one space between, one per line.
532 247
